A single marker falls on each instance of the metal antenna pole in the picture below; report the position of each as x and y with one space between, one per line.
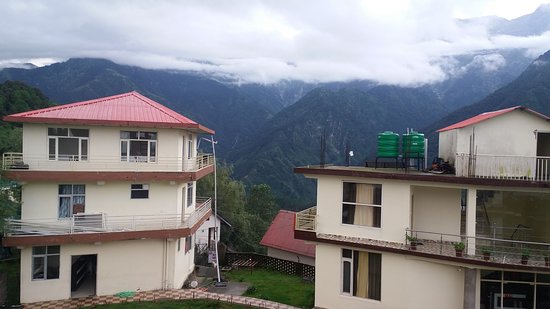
217 238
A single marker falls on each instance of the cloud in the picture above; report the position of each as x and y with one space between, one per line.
404 42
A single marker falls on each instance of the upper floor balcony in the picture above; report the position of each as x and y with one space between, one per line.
533 168
18 161
489 250
98 227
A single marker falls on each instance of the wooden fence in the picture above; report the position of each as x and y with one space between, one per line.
288 267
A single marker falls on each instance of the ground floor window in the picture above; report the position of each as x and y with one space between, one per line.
500 290
45 262
139 191
188 243
361 273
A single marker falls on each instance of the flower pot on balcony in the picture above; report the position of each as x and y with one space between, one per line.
547 261
458 252
413 245
459 248
486 255
524 259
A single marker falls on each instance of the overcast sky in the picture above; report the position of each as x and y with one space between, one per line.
406 42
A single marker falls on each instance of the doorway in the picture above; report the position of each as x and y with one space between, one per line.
543 150
83 275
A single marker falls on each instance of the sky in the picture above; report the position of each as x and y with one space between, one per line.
402 42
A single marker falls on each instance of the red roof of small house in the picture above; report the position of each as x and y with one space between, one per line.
489 115
127 109
280 235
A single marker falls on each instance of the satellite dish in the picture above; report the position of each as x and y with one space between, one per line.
194 284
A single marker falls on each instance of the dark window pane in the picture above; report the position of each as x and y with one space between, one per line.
67 148
346 253
53 267
375 275
346 285
518 295
377 216
79 189
79 132
543 296
348 213
84 149
490 293
58 131
39 250
38 268
124 150
124 134
137 186
51 148
518 276
490 275
138 148
53 249
65 189
377 198
543 278
349 192
148 135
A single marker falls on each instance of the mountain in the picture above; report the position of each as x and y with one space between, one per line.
292 137
531 89
535 23
234 115
16 97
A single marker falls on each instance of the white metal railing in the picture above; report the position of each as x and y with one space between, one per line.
503 166
12 160
306 220
102 222
488 248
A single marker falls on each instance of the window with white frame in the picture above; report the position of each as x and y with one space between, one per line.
45 262
65 144
361 274
361 204
190 147
138 146
189 194
139 191
72 200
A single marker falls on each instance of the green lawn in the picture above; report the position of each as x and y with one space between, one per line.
175 304
11 267
275 286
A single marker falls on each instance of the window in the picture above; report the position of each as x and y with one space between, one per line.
139 191
72 200
179 244
188 243
66 144
45 262
190 147
361 204
138 146
189 194
361 274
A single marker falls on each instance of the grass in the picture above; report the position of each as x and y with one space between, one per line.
11 267
175 304
276 286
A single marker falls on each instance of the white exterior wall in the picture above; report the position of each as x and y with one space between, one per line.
121 266
41 200
436 210
507 134
396 201
184 263
290 256
201 236
406 283
447 145
104 150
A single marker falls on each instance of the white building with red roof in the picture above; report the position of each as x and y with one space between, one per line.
396 238
108 197
280 242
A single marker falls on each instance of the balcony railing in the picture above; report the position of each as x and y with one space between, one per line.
19 161
503 166
306 220
484 248
104 223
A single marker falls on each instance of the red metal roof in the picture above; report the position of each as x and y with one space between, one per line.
280 235
127 109
489 115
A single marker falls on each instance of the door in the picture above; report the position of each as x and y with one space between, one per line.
543 156
83 275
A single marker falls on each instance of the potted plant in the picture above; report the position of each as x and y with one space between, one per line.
547 260
525 254
413 241
459 248
486 251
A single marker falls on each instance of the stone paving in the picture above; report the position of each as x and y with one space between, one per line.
155 296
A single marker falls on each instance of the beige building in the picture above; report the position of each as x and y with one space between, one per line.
108 197
385 238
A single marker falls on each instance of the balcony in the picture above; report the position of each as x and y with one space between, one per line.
306 220
94 227
17 161
531 168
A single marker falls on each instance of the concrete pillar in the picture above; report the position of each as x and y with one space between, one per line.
470 288
471 221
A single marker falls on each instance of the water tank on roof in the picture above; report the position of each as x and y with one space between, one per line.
388 145
413 144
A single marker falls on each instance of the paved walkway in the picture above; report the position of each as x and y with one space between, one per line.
157 295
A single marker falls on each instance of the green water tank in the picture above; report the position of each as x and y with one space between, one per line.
388 145
413 144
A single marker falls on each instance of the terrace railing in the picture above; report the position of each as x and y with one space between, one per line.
19 161
306 220
102 222
534 168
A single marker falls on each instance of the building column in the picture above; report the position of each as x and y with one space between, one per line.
470 288
471 220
